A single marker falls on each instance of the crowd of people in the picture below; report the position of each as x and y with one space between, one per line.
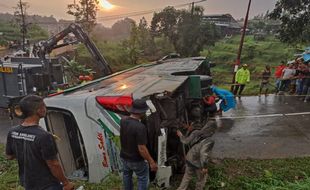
294 78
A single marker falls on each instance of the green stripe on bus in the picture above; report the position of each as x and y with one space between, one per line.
115 117
105 127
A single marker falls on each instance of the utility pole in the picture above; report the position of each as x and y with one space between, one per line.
193 7
238 61
87 13
23 24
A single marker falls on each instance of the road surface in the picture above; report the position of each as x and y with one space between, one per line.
261 128
264 128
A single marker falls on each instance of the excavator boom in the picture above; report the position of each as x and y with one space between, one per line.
49 45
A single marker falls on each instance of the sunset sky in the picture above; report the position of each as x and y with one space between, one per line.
57 8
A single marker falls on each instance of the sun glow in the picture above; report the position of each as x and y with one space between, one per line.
123 87
106 4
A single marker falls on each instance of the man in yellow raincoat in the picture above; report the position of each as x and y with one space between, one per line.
242 77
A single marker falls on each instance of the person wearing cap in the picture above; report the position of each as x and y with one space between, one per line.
134 153
242 77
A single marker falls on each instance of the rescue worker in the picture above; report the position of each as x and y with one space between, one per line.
198 156
242 77
266 74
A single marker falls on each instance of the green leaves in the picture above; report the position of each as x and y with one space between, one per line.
185 30
295 18
85 13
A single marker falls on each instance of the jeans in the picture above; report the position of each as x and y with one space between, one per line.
141 169
306 92
54 187
278 83
299 88
284 84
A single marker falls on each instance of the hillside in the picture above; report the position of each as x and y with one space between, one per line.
11 32
255 53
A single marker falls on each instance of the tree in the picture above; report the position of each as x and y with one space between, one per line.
123 27
295 18
85 13
140 43
165 22
132 44
145 39
74 69
186 30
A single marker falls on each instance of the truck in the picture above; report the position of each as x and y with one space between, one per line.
39 74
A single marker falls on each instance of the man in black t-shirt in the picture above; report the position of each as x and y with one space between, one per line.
35 150
134 153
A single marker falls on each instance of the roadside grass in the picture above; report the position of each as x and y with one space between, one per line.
8 172
255 53
227 174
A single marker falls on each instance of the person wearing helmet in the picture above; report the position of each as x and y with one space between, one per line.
242 77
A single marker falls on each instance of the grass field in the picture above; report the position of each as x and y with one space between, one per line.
255 53
229 174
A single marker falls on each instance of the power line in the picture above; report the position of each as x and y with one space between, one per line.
139 13
124 15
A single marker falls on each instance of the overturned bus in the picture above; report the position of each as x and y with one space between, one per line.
87 118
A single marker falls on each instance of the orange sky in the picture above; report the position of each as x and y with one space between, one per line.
57 8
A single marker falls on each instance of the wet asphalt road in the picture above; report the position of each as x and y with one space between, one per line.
264 128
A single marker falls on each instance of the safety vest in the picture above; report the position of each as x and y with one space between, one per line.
243 76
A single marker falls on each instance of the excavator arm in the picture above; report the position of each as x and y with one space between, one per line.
49 45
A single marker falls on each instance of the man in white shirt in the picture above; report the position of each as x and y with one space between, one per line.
287 74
